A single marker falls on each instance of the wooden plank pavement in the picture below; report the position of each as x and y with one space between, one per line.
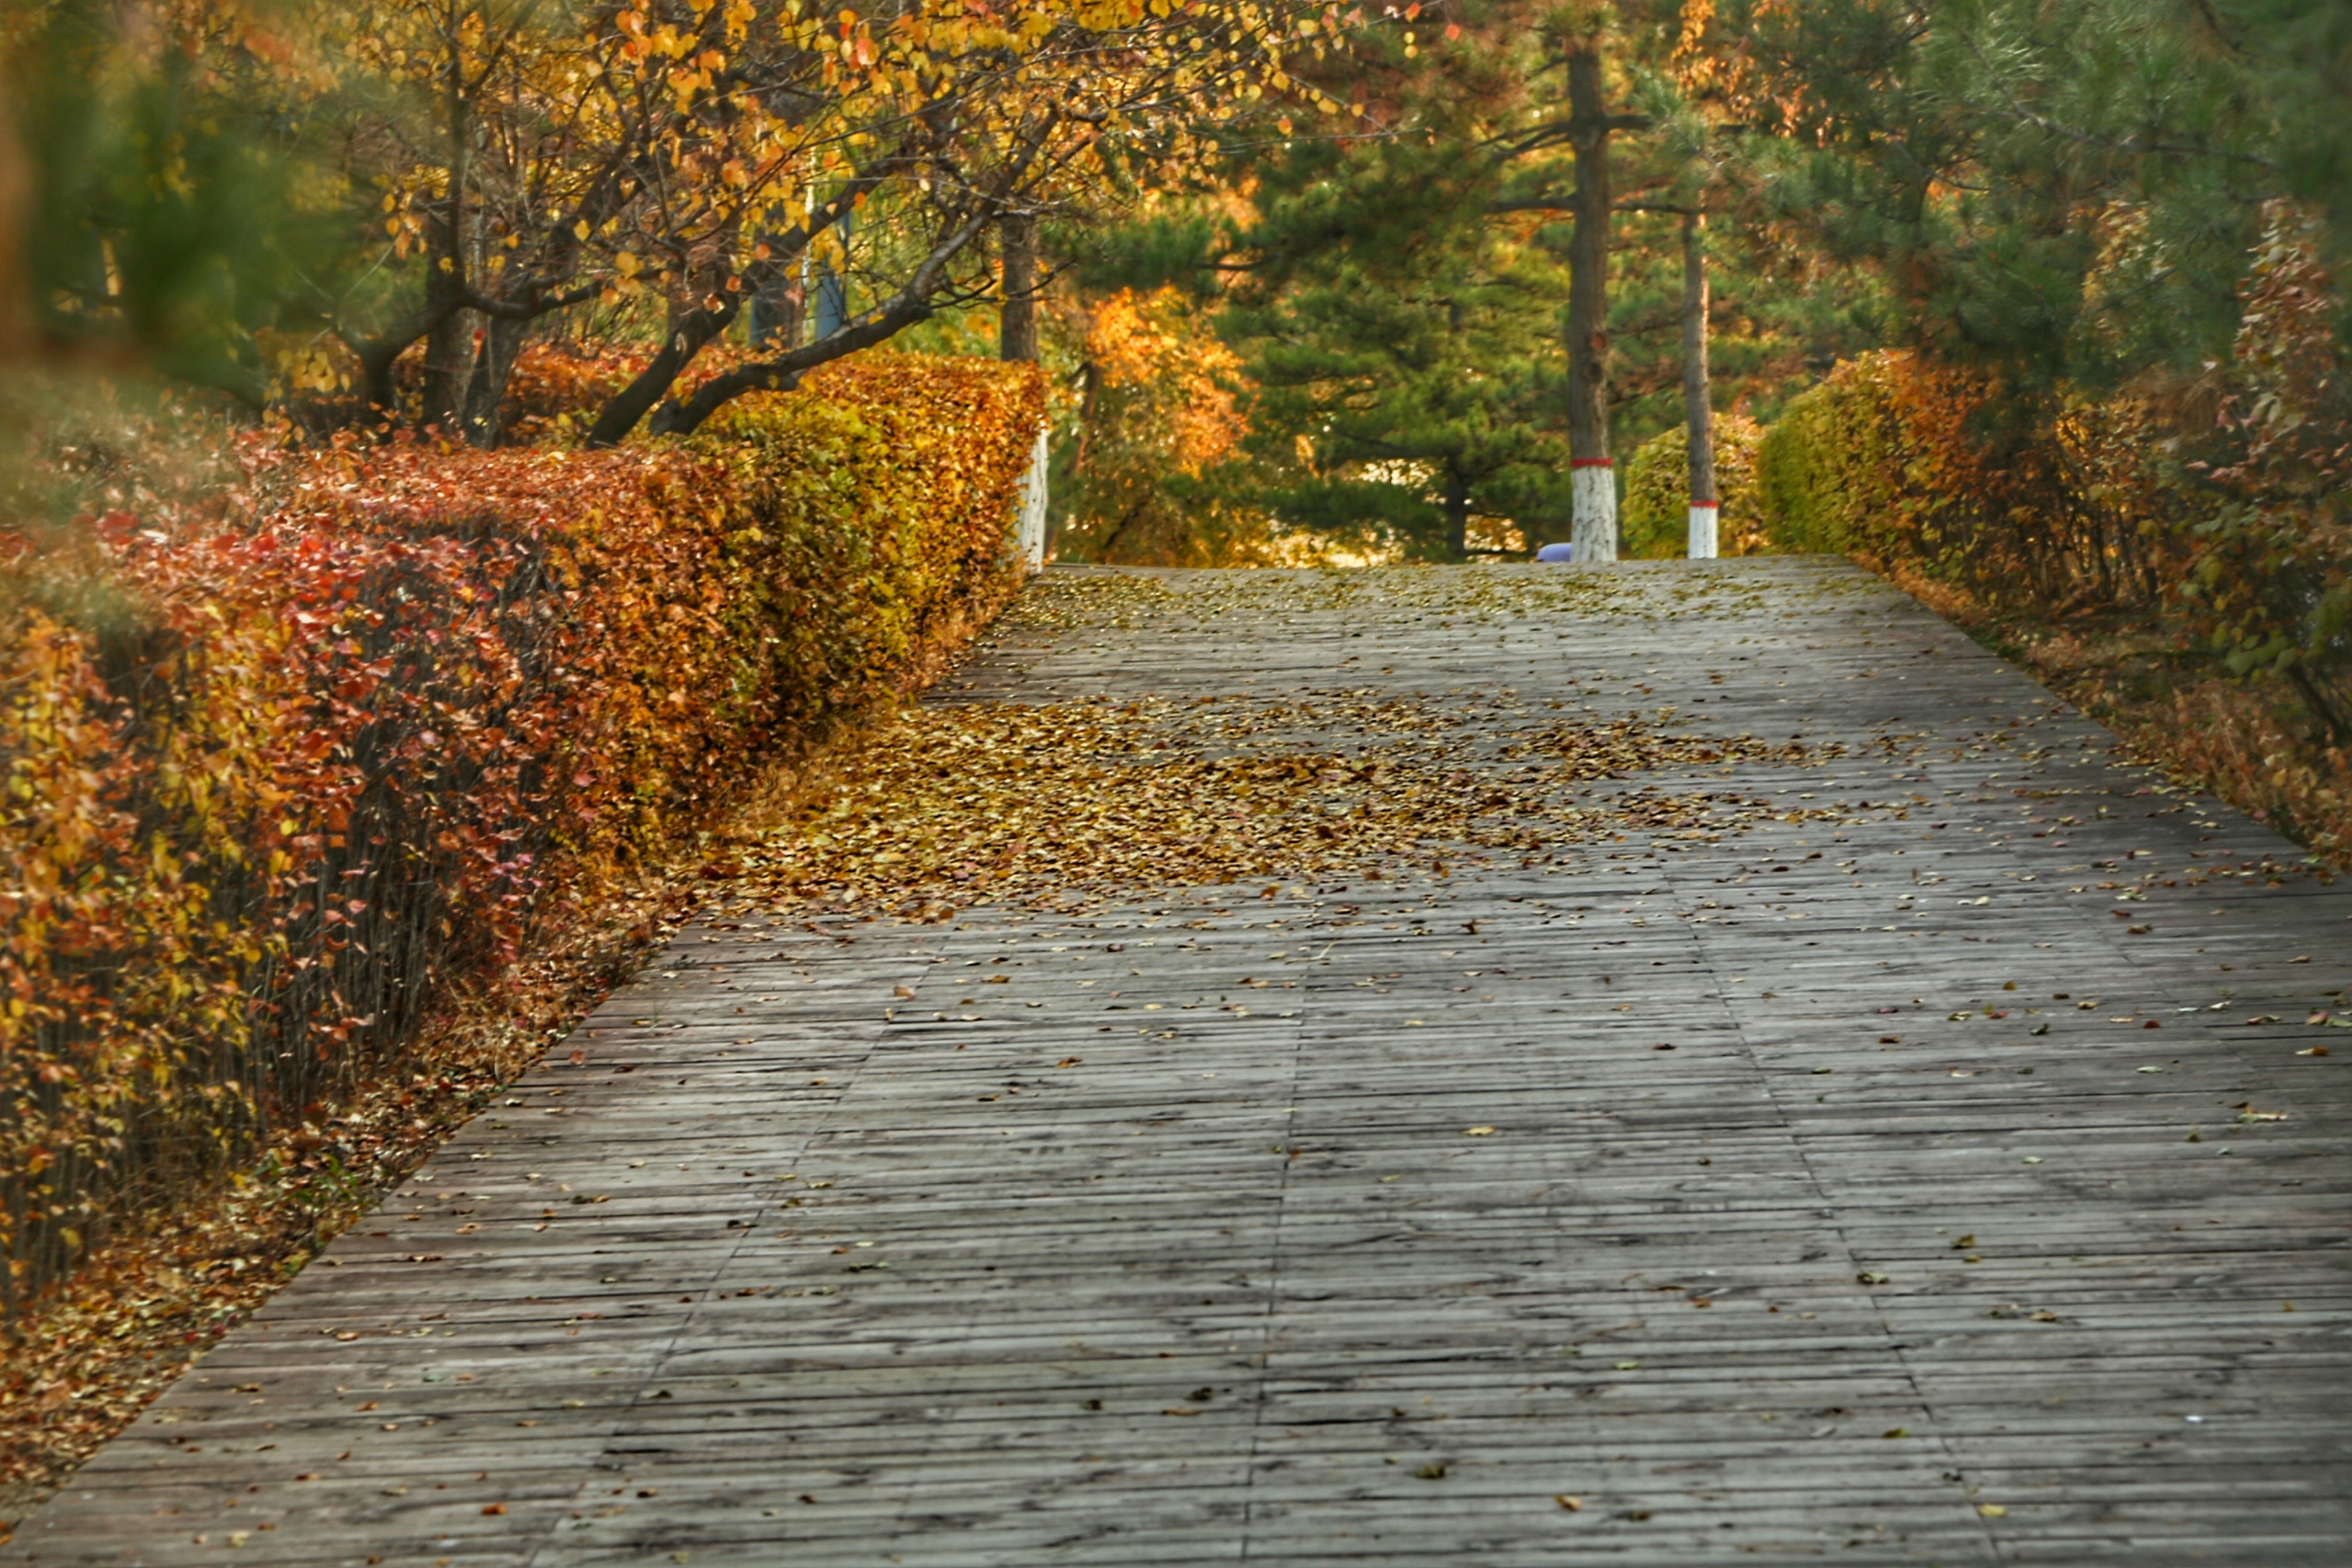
1869 1267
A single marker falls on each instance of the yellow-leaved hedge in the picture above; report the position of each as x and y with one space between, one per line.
1658 491
381 722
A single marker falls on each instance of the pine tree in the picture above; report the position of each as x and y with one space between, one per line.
1411 402
1448 229
1404 342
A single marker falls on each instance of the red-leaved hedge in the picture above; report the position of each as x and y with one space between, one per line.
382 716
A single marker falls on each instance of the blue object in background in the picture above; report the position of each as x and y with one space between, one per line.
1557 553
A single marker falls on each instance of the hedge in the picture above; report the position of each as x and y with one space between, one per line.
2177 557
1928 469
1658 491
382 718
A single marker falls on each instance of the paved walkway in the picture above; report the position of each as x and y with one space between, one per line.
1989 1205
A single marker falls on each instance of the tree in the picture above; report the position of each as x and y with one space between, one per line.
1588 130
160 220
1697 393
731 142
1150 479
2056 194
496 162
1401 375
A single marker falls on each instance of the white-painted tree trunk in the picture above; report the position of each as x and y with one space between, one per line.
1029 530
1593 510
1702 531
1698 407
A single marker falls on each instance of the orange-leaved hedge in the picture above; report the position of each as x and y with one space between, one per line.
2177 556
384 716
1922 468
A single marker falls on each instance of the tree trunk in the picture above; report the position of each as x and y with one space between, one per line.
1697 410
1592 481
1458 516
449 350
832 287
486 394
690 327
449 346
683 416
379 387
776 314
1089 403
1017 335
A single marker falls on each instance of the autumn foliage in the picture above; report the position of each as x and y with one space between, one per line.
2152 550
1161 414
381 719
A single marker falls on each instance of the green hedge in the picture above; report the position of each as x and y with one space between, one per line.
1658 491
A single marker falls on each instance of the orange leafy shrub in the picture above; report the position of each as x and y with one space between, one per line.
382 718
1918 467
2178 560
1159 415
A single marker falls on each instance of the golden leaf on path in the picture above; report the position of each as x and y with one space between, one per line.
1993 1510
1477 1133
1573 1504
1050 804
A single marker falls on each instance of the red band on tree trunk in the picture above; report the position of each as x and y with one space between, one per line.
1707 503
1593 462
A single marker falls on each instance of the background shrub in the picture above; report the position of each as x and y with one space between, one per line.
1658 491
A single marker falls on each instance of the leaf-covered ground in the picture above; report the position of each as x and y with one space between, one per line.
1056 802
1065 802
